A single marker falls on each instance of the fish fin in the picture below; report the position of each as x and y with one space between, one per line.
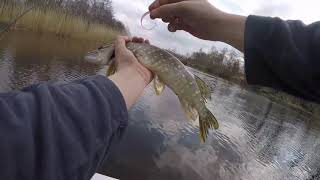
112 68
108 54
204 88
111 61
206 122
192 113
159 86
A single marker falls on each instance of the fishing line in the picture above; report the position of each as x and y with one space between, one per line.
141 22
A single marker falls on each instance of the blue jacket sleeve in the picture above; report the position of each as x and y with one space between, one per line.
59 131
284 55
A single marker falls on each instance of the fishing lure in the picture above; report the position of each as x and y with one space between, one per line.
141 22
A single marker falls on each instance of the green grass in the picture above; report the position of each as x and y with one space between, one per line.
55 21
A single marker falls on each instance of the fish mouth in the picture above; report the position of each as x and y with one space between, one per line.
101 56
92 57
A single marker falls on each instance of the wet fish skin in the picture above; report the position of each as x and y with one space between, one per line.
172 72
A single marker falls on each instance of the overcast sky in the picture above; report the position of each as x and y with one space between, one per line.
130 12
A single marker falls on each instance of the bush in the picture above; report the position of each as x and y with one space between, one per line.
224 64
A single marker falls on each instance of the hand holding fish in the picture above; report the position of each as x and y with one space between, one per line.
131 77
201 19
125 58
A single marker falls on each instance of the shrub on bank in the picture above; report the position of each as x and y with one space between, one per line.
56 20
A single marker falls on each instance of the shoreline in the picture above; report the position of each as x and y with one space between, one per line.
273 95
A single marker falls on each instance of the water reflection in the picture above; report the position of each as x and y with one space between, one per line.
27 58
257 139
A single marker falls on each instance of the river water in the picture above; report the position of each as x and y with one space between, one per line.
257 139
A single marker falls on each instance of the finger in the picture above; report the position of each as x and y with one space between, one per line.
172 27
179 23
128 39
120 40
123 38
168 19
177 20
154 5
120 43
141 40
179 27
135 39
166 11
158 3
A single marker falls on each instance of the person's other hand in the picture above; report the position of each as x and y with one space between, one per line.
126 60
201 19
198 17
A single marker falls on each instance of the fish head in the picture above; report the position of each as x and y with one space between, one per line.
101 56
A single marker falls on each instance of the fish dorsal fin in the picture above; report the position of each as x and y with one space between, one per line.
204 88
159 86
112 68
192 113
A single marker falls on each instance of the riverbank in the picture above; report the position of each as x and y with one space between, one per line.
55 21
224 63
289 100
227 65
272 94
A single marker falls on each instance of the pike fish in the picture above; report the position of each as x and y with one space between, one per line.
169 71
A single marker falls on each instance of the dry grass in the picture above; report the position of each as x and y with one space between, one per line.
55 21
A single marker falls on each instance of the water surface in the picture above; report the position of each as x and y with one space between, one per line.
257 139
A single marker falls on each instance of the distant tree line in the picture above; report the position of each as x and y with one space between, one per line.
225 63
100 11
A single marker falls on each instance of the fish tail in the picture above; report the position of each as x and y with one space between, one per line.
206 122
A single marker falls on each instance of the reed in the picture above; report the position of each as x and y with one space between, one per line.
57 21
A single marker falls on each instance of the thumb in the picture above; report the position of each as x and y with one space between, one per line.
120 43
167 11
